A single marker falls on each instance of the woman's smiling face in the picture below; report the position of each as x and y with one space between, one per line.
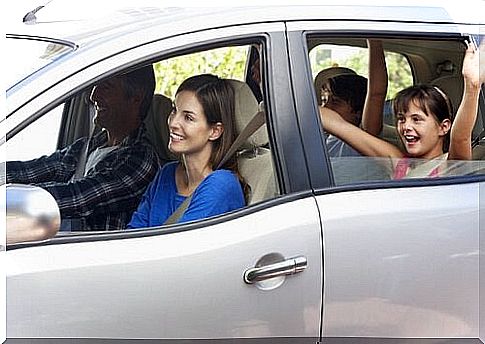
189 130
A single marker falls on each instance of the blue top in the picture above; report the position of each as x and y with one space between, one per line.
218 193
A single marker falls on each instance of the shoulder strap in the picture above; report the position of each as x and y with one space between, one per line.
254 124
81 165
179 212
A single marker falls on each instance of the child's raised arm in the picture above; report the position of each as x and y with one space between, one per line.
461 130
376 89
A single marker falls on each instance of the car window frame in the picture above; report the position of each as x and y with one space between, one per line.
301 77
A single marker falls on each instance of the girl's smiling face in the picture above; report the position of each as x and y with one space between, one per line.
421 134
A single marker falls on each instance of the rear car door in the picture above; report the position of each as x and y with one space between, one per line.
401 258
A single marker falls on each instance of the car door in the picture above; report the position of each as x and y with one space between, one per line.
401 258
193 282
182 285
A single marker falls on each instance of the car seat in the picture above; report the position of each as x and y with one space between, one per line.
452 85
254 158
157 126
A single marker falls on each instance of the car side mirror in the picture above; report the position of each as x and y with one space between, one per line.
32 214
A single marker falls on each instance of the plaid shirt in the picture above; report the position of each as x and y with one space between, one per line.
110 191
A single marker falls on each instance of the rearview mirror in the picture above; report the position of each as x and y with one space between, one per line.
32 214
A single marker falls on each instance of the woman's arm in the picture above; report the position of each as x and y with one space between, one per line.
461 130
360 140
376 89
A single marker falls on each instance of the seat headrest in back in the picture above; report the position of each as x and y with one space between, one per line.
452 85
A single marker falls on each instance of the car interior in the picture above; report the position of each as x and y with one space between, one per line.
431 61
253 154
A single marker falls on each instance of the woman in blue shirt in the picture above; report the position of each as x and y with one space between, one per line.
202 129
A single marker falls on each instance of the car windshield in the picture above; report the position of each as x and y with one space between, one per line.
26 55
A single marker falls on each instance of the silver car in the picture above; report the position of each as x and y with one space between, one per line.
328 250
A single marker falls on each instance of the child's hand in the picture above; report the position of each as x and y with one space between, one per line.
473 69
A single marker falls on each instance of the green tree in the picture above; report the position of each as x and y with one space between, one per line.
398 69
399 73
228 62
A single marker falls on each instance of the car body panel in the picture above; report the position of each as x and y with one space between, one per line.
396 266
147 283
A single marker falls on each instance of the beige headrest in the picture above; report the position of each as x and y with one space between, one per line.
326 74
452 85
246 107
157 126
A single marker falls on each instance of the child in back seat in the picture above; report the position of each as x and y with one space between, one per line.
424 124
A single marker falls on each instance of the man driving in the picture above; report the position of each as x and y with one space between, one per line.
98 181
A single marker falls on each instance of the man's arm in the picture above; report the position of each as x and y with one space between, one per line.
57 167
116 183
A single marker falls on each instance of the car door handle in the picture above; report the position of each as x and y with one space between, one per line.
287 267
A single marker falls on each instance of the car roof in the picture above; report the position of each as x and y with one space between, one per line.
123 28
129 19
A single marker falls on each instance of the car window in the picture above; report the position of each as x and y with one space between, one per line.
254 154
226 62
433 62
38 138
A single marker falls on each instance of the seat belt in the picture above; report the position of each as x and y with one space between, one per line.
72 224
254 124
179 212
81 165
